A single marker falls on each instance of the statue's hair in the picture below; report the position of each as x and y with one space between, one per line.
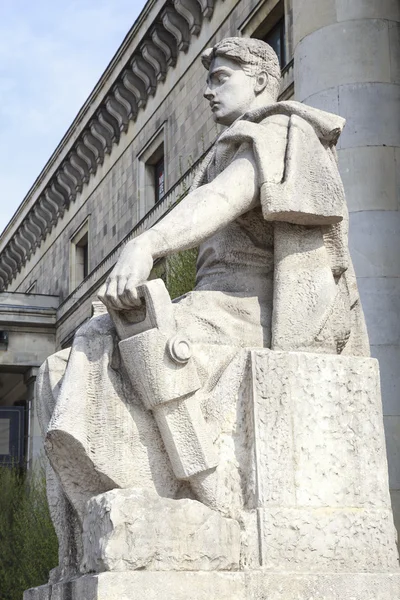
253 56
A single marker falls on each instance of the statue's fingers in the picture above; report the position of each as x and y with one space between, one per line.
111 296
129 298
121 283
131 291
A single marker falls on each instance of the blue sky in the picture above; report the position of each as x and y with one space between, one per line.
52 53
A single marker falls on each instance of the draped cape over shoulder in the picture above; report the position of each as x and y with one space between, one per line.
316 305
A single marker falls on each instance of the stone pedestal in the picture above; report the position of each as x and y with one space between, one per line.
317 522
201 585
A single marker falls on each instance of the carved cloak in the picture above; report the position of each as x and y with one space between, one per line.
316 305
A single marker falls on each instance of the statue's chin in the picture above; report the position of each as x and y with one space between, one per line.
223 120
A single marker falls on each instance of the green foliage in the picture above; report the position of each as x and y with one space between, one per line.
181 272
28 543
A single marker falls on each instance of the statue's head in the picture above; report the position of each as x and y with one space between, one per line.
243 73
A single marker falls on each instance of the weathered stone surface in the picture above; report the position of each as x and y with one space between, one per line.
328 539
136 529
319 431
255 585
323 586
321 472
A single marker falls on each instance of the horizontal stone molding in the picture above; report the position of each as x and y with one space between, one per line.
169 34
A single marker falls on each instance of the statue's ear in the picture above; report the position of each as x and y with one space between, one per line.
261 82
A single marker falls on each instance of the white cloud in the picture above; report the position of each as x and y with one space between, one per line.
51 56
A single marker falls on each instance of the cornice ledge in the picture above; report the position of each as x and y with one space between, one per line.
169 33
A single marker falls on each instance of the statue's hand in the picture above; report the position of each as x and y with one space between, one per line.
132 269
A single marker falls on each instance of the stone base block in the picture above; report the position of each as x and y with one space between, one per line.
360 540
135 529
200 585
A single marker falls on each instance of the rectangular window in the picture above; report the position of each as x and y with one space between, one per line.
160 180
12 435
276 39
82 265
152 181
270 21
79 256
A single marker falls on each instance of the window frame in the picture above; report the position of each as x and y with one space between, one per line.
264 18
149 157
80 239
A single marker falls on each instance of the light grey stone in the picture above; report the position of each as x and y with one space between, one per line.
309 16
327 100
320 56
369 178
314 491
328 540
395 498
135 529
290 586
397 158
394 42
389 360
367 9
297 425
392 433
313 462
383 323
370 126
375 243
256 585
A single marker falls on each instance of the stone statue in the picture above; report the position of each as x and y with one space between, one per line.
238 429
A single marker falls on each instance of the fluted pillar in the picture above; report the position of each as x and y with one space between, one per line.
347 61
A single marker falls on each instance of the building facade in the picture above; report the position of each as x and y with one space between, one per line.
133 150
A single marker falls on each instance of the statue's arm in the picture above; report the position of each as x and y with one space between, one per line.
200 215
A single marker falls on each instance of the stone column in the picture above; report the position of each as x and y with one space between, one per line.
347 61
35 442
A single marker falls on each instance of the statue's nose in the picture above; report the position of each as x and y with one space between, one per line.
208 94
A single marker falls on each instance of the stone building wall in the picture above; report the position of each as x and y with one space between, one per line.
111 200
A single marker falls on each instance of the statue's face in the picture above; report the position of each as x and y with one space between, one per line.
229 91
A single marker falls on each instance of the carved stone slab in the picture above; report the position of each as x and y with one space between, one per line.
201 585
137 529
321 484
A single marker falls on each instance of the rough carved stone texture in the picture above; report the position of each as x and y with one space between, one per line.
275 418
321 470
136 529
320 439
255 585
328 540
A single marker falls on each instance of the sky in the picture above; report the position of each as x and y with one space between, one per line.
52 53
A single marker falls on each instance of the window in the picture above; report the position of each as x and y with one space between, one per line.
276 39
152 173
159 180
267 22
12 435
79 256
154 177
